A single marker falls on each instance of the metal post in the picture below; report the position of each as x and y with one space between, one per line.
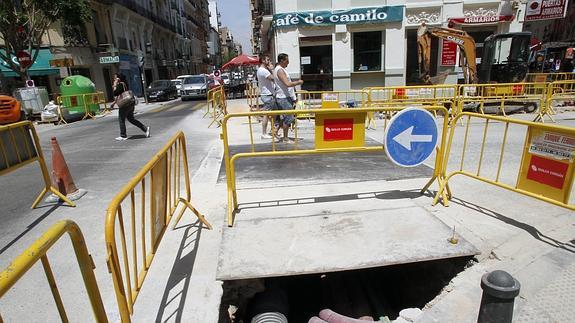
499 292
143 82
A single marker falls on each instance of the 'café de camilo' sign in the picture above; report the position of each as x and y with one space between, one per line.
346 17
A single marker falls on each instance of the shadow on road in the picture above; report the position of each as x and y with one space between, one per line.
174 298
32 225
533 231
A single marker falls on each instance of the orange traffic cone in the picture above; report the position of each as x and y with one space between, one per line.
61 177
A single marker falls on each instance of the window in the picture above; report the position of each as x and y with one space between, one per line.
367 51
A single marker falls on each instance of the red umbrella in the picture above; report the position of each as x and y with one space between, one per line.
241 60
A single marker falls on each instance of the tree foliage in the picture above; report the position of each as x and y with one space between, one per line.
24 22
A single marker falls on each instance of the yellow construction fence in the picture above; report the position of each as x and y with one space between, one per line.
139 215
20 146
541 166
38 251
355 143
216 105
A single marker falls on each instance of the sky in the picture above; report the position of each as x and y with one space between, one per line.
236 15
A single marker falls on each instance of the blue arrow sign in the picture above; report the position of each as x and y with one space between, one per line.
411 137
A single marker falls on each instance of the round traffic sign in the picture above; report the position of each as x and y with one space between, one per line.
411 137
217 73
24 59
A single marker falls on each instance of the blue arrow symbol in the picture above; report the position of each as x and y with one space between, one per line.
406 137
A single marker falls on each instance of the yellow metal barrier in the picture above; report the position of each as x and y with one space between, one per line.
545 170
216 105
559 91
413 95
80 100
253 96
549 77
150 206
20 146
417 95
526 96
331 99
321 116
96 98
37 251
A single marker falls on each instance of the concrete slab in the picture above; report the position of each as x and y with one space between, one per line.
324 229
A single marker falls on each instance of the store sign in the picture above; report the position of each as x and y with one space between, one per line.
338 129
448 53
545 9
473 20
109 59
547 171
336 17
548 164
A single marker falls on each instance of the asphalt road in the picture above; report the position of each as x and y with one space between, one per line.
96 161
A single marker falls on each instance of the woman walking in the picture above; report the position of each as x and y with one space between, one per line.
126 112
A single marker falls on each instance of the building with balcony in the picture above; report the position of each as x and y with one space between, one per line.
375 40
228 44
145 40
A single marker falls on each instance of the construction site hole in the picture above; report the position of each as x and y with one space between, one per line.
376 292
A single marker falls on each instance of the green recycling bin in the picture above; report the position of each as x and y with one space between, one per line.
72 90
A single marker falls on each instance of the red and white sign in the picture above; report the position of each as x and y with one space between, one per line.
479 20
545 9
448 53
24 59
547 171
337 129
553 145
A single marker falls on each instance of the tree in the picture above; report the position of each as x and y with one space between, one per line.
24 22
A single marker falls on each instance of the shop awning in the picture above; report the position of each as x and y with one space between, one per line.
40 67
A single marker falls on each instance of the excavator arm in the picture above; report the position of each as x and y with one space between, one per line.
460 37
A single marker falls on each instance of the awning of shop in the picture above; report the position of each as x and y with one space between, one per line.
40 67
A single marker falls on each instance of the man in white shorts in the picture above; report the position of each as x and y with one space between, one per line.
267 90
285 93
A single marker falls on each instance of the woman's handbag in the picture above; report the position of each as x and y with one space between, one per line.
125 99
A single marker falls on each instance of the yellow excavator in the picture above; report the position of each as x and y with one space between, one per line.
505 56
465 42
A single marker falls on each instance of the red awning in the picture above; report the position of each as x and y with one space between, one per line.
241 60
479 20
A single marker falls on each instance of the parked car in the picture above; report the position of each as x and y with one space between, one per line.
178 84
162 90
194 87
10 110
226 79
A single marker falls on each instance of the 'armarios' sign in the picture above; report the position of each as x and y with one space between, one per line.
335 17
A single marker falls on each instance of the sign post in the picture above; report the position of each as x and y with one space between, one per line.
411 137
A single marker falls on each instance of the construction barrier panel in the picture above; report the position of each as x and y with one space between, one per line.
549 77
88 105
20 146
413 95
38 250
216 105
346 133
559 93
139 215
253 96
541 168
502 97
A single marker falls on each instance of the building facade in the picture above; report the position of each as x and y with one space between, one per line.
145 40
351 44
214 42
